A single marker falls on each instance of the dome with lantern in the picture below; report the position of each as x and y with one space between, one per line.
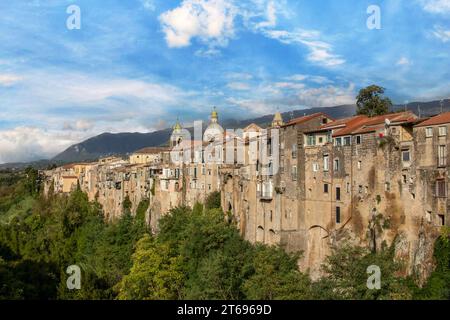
214 131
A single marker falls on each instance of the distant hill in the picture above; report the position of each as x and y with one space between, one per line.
107 144
39 164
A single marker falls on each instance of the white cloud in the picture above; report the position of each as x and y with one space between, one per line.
211 21
8 79
297 77
320 79
289 85
441 33
148 4
436 6
79 125
271 16
403 61
30 143
239 76
288 96
320 51
309 78
49 89
241 86
326 96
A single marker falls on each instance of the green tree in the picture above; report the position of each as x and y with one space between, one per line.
371 102
156 273
346 275
438 285
276 277
213 201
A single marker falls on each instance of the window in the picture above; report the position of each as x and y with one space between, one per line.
329 137
324 120
336 165
347 141
358 139
294 151
428 216
360 189
338 194
315 167
442 131
348 187
406 156
359 165
405 179
325 188
267 190
325 163
387 187
338 215
294 173
320 140
441 191
429 132
311 140
442 156
441 218
338 141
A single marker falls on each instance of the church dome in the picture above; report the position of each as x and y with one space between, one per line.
214 131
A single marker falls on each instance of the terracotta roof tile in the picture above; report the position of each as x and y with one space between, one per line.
362 123
439 119
305 118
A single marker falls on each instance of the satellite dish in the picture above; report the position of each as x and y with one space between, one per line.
387 122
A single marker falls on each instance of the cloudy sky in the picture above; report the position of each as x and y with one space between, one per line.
137 65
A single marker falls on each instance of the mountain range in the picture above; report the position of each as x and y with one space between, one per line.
107 144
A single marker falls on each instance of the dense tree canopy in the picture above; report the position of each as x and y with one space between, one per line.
197 254
371 102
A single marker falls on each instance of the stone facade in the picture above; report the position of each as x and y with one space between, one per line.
307 185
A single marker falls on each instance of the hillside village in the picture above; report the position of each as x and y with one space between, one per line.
307 185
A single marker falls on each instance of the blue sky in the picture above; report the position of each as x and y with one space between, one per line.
137 65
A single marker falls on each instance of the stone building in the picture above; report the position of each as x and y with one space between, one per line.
309 184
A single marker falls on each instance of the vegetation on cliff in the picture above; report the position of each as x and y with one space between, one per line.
196 255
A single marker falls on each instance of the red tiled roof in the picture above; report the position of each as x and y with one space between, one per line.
351 125
439 119
363 124
306 118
